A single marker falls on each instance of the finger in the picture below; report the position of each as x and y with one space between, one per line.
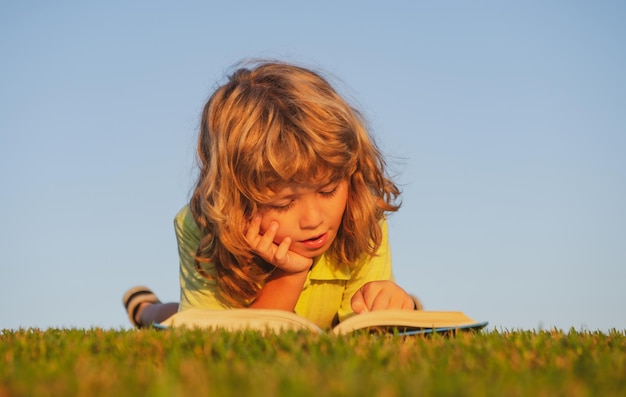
358 303
381 301
401 301
266 243
398 298
408 303
280 256
370 293
253 230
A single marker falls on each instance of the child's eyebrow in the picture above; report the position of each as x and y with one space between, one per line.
333 181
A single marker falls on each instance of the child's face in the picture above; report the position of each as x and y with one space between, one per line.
309 214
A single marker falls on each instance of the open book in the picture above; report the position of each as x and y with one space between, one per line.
384 321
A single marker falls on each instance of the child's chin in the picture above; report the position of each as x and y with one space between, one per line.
311 254
293 269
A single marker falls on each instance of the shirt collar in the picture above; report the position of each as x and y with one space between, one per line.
323 269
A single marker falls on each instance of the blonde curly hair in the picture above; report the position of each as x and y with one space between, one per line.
273 123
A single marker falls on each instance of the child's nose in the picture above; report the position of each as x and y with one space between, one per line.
311 215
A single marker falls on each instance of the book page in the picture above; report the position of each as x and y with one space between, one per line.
240 319
405 319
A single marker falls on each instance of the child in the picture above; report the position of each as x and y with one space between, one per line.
289 208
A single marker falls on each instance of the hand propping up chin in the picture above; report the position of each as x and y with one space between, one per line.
278 255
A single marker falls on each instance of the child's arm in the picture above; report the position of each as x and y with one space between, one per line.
281 291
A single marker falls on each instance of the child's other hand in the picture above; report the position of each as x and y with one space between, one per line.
381 295
278 255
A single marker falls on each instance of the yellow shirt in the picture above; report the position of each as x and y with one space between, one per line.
327 291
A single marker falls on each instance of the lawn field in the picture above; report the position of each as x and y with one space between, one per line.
95 362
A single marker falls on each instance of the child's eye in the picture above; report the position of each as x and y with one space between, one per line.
282 207
329 192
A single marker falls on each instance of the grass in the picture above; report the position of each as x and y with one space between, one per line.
96 362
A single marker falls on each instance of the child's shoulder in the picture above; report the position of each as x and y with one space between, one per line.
183 216
184 221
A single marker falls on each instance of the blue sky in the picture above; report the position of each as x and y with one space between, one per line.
503 122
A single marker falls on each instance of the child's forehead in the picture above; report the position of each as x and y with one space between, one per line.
317 176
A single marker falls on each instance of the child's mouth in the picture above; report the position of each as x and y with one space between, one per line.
316 242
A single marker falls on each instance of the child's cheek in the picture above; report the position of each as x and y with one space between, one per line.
265 224
266 220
